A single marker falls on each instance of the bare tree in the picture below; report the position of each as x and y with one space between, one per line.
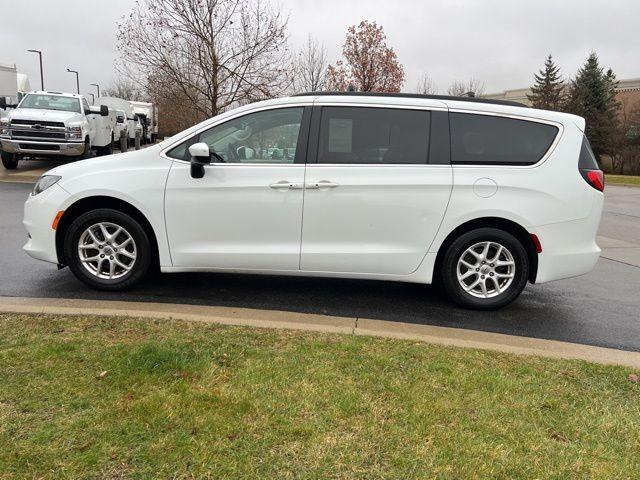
215 53
175 109
426 86
310 67
369 64
126 89
472 87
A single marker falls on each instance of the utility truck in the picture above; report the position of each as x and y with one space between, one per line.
54 125
13 86
148 115
130 118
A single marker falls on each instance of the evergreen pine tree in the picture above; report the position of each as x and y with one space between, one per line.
548 91
592 95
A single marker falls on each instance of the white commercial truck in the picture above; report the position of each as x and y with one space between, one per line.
148 115
54 125
13 86
126 107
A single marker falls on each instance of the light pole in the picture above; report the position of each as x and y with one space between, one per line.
77 78
97 87
41 74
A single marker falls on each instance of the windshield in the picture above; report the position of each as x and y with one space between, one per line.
51 102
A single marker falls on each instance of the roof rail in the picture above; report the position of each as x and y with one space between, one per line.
417 95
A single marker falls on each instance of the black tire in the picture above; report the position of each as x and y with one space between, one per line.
87 150
9 160
107 149
449 270
140 266
124 141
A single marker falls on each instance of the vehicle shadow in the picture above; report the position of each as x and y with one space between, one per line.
570 311
394 301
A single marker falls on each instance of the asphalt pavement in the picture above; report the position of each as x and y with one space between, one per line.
601 308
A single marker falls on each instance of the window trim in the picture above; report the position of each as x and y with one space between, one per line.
314 138
303 135
542 160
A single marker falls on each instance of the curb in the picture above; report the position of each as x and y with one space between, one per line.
324 323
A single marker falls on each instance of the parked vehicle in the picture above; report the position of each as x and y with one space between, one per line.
482 196
55 124
125 106
139 129
120 129
13 86
148 115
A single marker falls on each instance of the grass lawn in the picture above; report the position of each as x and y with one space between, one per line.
114 398
622 179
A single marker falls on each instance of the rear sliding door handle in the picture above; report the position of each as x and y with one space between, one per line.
321 184
285 185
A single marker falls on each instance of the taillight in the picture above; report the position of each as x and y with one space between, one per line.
595 178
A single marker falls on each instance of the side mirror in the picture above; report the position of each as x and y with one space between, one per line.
102 111
3 102
200 156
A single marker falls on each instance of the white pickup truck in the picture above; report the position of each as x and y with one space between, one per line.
54 125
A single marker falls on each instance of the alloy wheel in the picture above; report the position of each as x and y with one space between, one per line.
486 269
107 250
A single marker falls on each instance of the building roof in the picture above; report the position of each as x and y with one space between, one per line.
520 94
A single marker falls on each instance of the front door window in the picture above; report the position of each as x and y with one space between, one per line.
269 136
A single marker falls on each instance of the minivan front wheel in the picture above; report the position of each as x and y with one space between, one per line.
107 249
485 269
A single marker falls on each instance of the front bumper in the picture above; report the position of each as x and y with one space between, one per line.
30 147
39 213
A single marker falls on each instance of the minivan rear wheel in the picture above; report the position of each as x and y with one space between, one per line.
485 269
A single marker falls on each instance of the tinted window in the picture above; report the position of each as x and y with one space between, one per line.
587 158
484 139
373 135
270 136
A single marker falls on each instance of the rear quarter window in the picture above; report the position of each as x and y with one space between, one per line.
478 139
587 158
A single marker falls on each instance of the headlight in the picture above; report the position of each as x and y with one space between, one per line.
4 126
45 182
75 133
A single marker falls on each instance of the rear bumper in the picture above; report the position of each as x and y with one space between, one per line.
29 147
39 212
569 249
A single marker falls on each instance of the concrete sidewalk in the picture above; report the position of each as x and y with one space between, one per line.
324 323
28 171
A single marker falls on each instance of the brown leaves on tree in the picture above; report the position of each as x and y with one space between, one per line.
369 64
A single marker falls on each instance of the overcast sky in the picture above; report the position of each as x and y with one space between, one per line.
500 42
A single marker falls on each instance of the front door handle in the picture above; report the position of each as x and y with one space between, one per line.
321 184
285 185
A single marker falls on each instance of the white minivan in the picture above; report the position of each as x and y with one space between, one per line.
482 196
